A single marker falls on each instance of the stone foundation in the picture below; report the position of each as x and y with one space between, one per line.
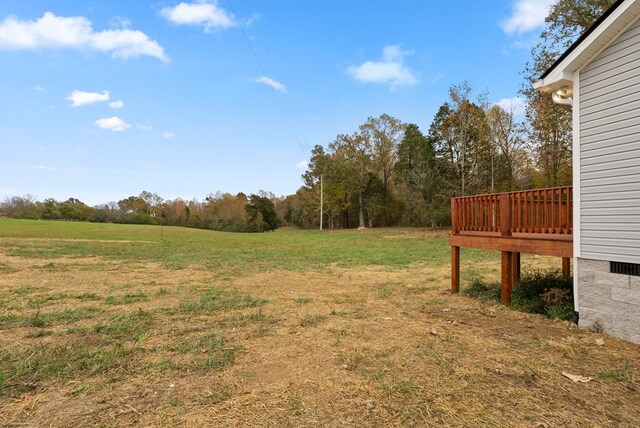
608 302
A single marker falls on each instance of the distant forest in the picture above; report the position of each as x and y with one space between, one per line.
222 211
387 172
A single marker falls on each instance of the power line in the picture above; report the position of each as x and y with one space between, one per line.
275 70
273 65
289 120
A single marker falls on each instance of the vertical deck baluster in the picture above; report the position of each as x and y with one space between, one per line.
482 206
553 211
514 209
530 212
518 212
525 224
538 213
545 212
478 222
523 205
473 214
467 212
485 213
561 210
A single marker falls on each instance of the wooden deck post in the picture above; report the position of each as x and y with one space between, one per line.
455 269
516 267
455 251
507 277
508 271
566 266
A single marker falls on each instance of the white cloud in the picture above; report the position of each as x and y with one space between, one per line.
527 15
302 165
206 14
113 124
80 98
514 104
58 32
116 104
390 70
38 88
273 83
144 127
168 135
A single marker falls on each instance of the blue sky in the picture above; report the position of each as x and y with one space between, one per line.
101 100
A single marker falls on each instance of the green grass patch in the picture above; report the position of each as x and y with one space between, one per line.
310 320
7 269
133 326
42 319
261 323
623 374
87 296
25 290
385 290
135 298
127 299
207 352
481 290
25 369
111 300
228 254
405 387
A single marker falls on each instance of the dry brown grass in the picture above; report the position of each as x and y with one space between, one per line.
359 347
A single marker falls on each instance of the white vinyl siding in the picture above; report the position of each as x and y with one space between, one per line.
610 152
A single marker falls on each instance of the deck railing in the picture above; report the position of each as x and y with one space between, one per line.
539 211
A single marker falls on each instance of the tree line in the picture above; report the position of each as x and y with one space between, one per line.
389 173
220 211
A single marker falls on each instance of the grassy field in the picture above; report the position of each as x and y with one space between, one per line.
122 325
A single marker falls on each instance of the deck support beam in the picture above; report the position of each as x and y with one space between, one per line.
455 269
507 276
566 266
520 244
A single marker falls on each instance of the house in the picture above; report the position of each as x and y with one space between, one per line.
599 75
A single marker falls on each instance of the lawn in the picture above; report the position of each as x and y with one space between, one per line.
122 325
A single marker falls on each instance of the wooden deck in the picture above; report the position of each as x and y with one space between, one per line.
536 221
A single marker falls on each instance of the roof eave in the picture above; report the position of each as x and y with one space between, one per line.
585 49
554 82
